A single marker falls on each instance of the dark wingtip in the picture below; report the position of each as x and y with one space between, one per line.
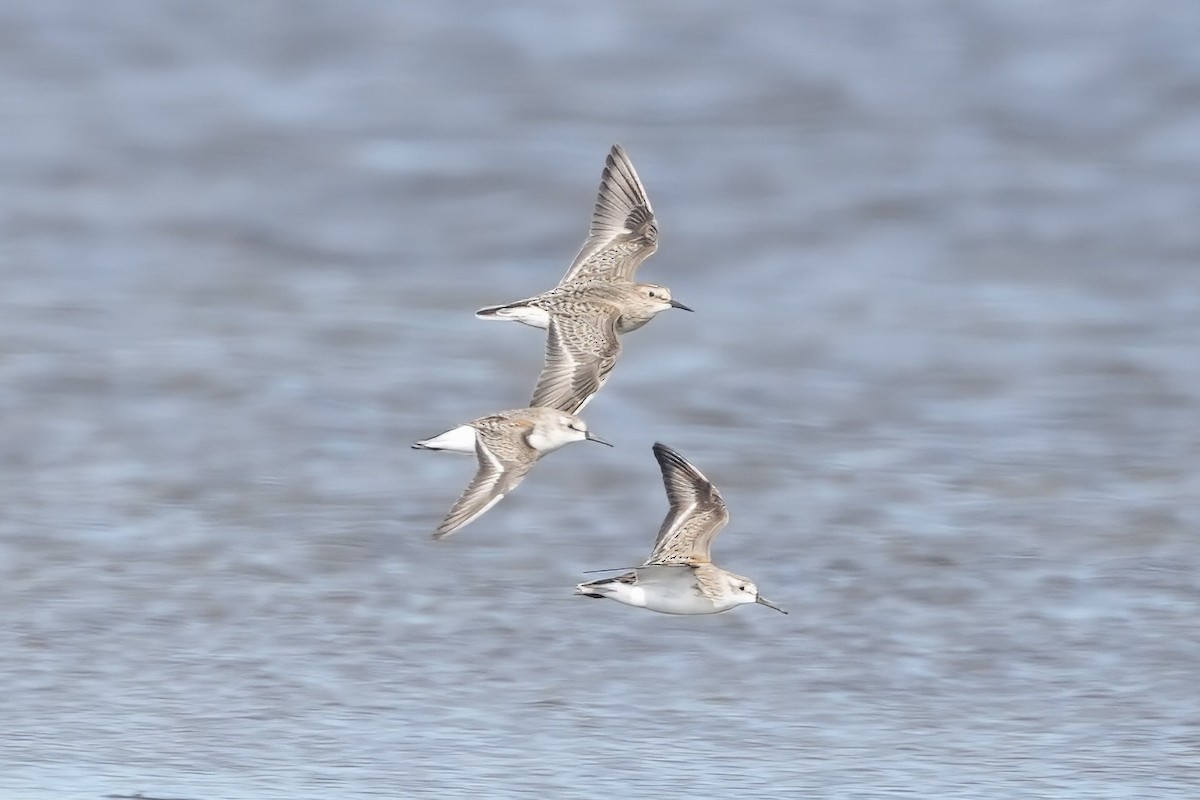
661 451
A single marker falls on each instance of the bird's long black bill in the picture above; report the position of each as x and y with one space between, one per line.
762 601
591 437
679 305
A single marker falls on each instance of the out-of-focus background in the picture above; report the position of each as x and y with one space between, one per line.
944 365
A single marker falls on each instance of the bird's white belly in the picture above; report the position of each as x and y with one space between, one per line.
625 324
670 590
679 604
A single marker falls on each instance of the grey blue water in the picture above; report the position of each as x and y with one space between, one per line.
944 366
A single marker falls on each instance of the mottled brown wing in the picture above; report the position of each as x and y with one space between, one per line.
504 457
624 232
581 349
697 512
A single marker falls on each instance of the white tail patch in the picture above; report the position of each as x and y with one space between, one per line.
458 440
527 315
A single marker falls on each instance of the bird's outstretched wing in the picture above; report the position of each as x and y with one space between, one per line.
505 456
624 232
696 516
581 349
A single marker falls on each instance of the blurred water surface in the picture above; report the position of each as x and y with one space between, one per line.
944 366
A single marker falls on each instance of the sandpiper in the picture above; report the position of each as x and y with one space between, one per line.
679 576
597 299
506 445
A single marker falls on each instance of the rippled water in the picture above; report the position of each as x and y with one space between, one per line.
944 365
